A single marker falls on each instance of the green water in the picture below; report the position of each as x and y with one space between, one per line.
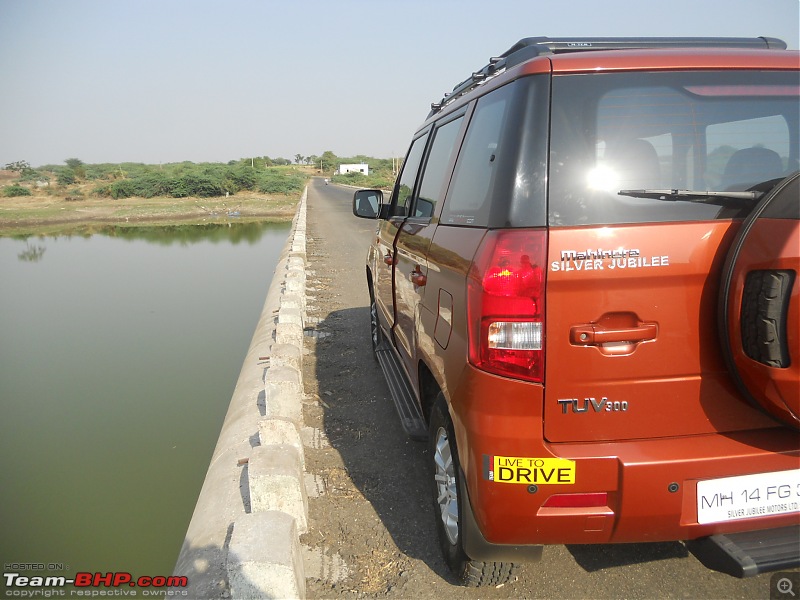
119 354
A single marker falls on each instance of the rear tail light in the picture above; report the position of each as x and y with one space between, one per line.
505 304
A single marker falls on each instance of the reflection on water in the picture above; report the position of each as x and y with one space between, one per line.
228 233
32 253
118 358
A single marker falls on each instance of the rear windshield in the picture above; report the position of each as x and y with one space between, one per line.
696 131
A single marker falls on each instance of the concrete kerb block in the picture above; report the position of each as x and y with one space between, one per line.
296 262
277 431
286 355
275 477
295 285
295 280
290 315
264 557
293 300
283 393
289 333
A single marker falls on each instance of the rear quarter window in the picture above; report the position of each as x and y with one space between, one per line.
469 198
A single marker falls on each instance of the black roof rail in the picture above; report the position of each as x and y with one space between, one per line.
531 47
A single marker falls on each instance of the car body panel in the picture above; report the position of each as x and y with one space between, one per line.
612 283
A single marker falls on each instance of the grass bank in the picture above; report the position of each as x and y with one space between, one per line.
55 215
82 199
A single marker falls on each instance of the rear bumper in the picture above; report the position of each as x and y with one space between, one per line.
650 485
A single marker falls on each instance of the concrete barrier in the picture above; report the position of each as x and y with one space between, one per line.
243 538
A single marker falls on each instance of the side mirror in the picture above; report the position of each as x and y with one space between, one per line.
367 203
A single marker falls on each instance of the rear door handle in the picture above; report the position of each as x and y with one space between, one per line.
417 278
597 335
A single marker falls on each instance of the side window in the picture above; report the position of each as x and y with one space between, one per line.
405 185
436 168
467 201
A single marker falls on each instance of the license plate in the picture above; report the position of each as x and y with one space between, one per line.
748 496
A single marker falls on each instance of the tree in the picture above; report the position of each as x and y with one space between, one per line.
329 161
298 158
19 166
76 165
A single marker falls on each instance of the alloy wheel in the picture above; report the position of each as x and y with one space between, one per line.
447 492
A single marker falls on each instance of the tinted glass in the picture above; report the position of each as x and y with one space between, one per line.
405 185
468 199
667 131
436 169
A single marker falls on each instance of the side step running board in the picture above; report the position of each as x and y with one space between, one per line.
404 400
751 552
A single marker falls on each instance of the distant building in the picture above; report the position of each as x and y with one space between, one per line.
362 168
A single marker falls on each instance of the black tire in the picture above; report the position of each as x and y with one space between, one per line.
445 476
765 303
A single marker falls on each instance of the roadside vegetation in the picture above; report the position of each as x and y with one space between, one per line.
382 173
59 198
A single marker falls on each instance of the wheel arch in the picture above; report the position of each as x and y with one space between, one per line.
429 390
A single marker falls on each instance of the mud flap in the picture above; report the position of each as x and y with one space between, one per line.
478 548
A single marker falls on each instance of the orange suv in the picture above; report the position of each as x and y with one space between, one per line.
584 296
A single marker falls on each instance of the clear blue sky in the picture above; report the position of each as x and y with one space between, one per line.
170 80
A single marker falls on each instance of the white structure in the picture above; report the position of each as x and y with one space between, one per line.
362 168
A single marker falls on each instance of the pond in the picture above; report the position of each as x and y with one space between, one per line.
119 354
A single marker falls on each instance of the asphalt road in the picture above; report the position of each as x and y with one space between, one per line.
372 528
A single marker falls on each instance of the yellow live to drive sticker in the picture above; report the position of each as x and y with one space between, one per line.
529 471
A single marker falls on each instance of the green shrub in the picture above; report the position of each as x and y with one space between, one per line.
181 180
150 185
33 175
15 190
66 177
279 181
202 186
124 188
244 178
